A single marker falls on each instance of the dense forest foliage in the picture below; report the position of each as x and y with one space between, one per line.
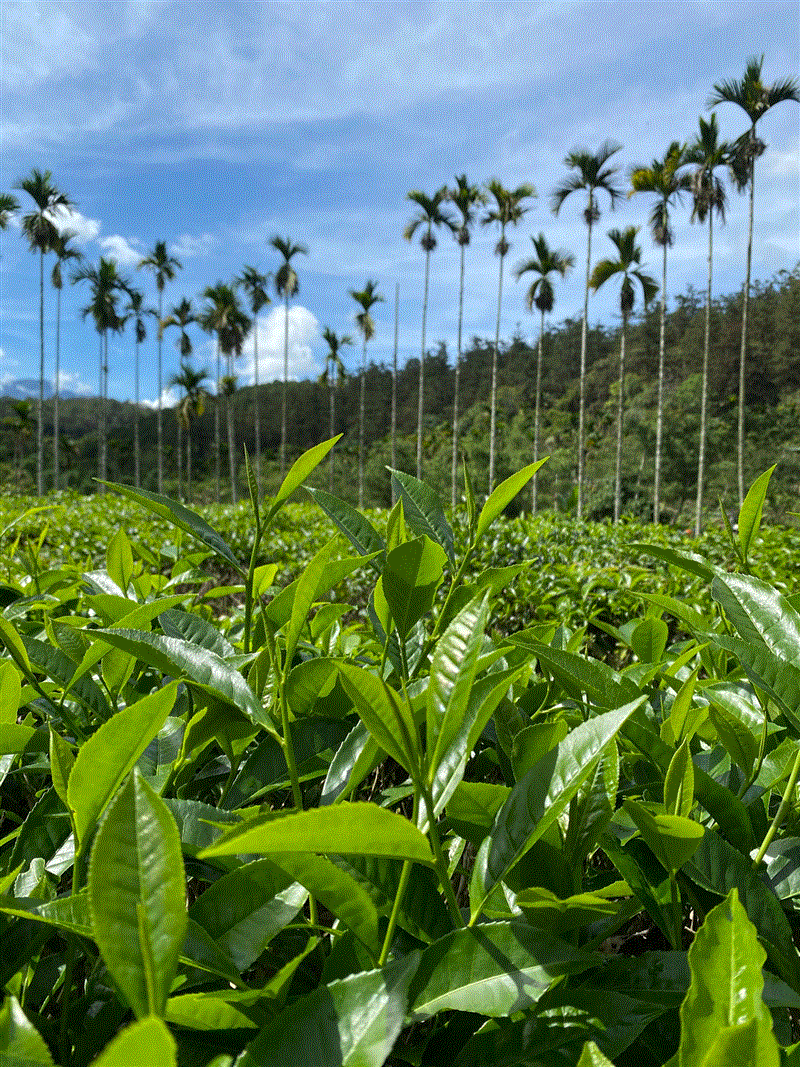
773 414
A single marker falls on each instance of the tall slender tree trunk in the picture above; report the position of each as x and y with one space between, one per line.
361 425
420 398
285 381
40 405
394 382
231 446
189 461
660 402
100 408
331 425
582 387
56 471
257 405
136 445
104 414
217 441
179 450
743 349
159 438
457 381
537 403
493 405
620 415
701 459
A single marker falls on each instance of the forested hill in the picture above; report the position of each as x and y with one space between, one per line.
772 424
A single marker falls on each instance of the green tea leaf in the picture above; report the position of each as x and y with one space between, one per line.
305 595
504 494
649 640
538 799
300 470
182 517
591 1056
359 531
387 717
679 782
738 741
137 893
760 614
673 839
61 763
494 969
422 510
352 1022
21 1044
411 576
358 829
111 753
750 512
146 1041
10 693
119 559
725 960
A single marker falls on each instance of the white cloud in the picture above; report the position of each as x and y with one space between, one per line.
169 398
70 220
127 253
189 246
303 331
73 383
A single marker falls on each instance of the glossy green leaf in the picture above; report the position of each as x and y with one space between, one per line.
52 662
386 715
180 659
673 839
649 640
15 738
243 911
779 679
358 829
679 782
147 1041
533 742
300 470
193 628
305 595
473 807
538 799
685 561
10 693
279 609
544 909
452 676
62 761
504 494
353 1022
337 890
359 531
182 517
411 576
751 510
684 718
725 960
21 1044
423 511
760 613
738 741
137 893
111 753
603 685
206 1011
16 649
591 1056
494 969
355 758
119 559
592 809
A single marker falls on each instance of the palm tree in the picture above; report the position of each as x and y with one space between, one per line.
163 267
366 299
191 404
430 214
255 285
507 210
706 154
40 229
332 376
755 99
223 316
8 205
547 261
393 429
137 312
465 198
592 174
64 253
627 264
106 284
228 387
664 178
286 284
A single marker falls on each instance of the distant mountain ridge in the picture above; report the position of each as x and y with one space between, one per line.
28 389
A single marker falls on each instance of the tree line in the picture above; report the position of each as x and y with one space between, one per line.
689 168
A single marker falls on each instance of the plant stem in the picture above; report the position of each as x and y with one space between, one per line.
441 862
786 800
677 912
405 874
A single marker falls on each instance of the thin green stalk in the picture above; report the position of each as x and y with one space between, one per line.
786 800
248 585
677 912
441 862
402 885
64 1045
443 613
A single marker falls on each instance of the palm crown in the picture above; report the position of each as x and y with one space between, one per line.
592 174
668 180
161 264
507 210
255 285
630 256
430 214
366 298
706 153
39 226
547 261
334 367
465 198
286 280
182 316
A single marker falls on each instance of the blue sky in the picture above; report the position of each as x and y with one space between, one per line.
214 125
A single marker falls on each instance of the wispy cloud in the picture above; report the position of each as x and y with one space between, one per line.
303 332
70 220
189 246
127 253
